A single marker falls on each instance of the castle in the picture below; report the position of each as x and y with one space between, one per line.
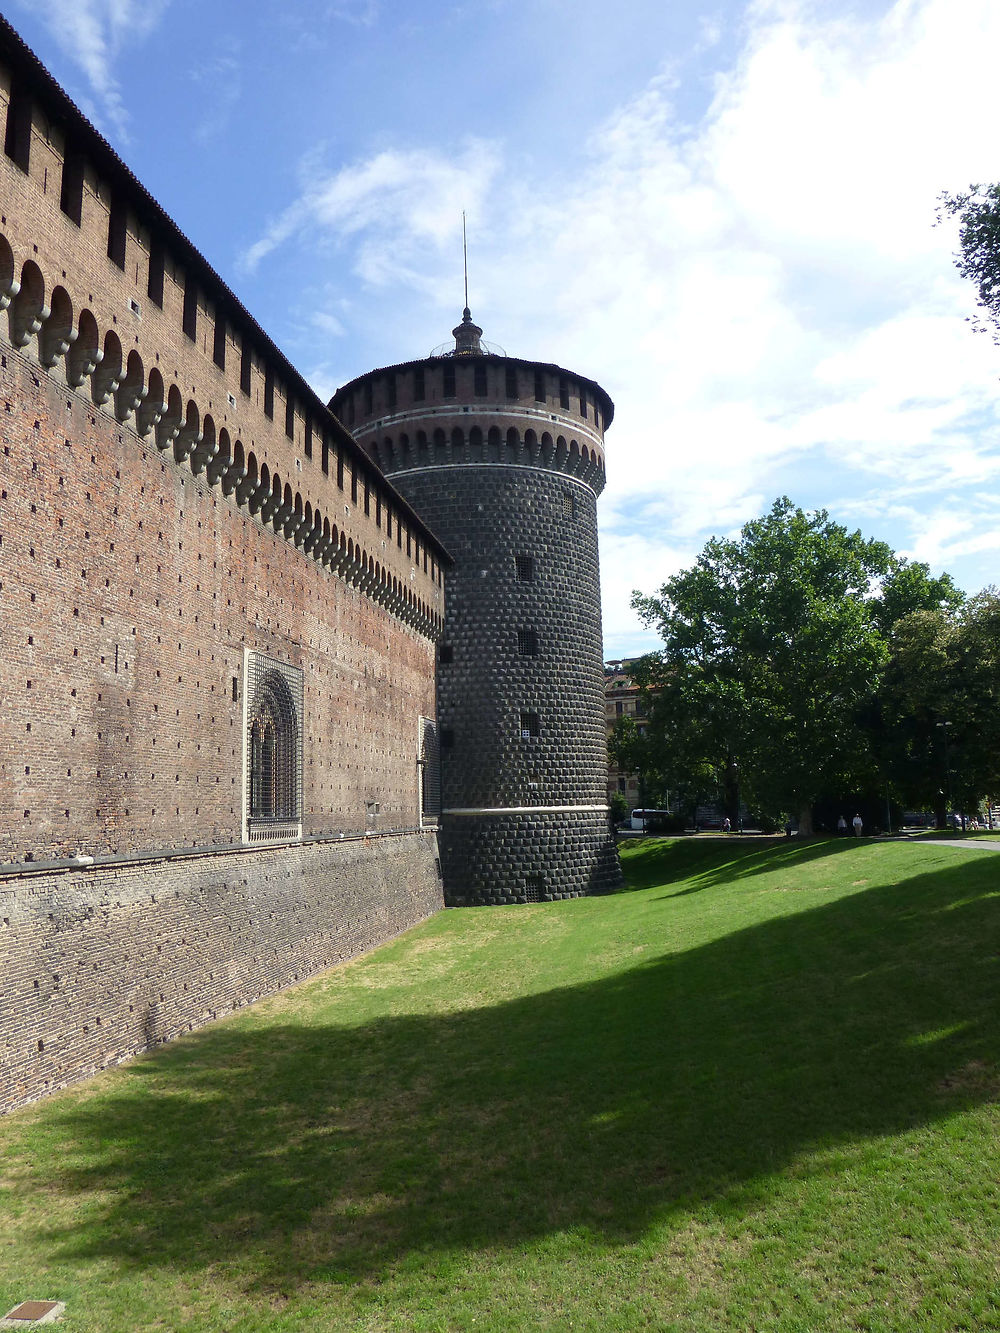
251 655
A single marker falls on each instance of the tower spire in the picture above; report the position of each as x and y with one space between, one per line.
466 334
465 260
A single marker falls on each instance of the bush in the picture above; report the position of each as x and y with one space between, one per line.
620 810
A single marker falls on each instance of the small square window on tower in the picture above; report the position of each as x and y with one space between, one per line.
530 726
569 504
527 642
525 567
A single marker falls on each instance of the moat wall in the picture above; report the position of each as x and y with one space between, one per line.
102 963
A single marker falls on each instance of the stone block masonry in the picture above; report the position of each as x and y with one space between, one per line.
505 460
102 963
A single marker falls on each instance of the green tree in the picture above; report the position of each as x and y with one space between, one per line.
938 705
978 212
914 702
629 749
774 644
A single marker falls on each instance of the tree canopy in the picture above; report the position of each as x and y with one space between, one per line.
774 648
978 259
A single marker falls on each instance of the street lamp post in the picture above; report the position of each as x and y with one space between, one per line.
947 767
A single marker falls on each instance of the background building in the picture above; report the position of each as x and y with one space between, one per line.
623 699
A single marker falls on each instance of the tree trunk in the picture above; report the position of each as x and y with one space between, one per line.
806 822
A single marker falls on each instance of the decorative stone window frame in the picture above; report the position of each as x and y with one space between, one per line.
272 749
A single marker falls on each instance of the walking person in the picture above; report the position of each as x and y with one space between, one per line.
841 826
857 825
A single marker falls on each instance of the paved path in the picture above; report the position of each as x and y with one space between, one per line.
977 844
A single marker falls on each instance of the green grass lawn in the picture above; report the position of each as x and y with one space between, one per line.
760 1090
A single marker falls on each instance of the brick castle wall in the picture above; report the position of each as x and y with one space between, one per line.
176 502
129 590
103 963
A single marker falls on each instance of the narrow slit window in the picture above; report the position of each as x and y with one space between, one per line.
71 190
479 379
419 387
246 367
154 286
449 380
390 391
510 382
308 442
219 340
117 231
539 387
17 137
527 643
563 393
531 727
190 317
269 392
525 568
290 417
569 504
583 402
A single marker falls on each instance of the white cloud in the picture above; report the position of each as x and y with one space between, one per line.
394 208
360 13
762 292
92 33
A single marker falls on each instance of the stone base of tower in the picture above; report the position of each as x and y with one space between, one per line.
522 857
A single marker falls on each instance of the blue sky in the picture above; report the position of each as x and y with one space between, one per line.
724 213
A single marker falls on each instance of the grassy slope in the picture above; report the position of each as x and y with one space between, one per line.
760 1090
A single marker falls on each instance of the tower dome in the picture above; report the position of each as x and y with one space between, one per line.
504 460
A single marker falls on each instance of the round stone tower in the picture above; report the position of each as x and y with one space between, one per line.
504 460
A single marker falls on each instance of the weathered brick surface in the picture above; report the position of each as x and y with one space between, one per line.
172 496
101 964
128 592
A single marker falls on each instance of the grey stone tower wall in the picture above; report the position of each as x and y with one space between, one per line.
509 483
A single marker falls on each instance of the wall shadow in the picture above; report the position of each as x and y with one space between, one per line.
333 1153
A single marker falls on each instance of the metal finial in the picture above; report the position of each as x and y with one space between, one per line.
465 260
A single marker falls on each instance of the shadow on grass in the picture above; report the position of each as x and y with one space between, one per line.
715 861
332 1153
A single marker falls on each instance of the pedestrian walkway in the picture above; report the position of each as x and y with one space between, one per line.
977 844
